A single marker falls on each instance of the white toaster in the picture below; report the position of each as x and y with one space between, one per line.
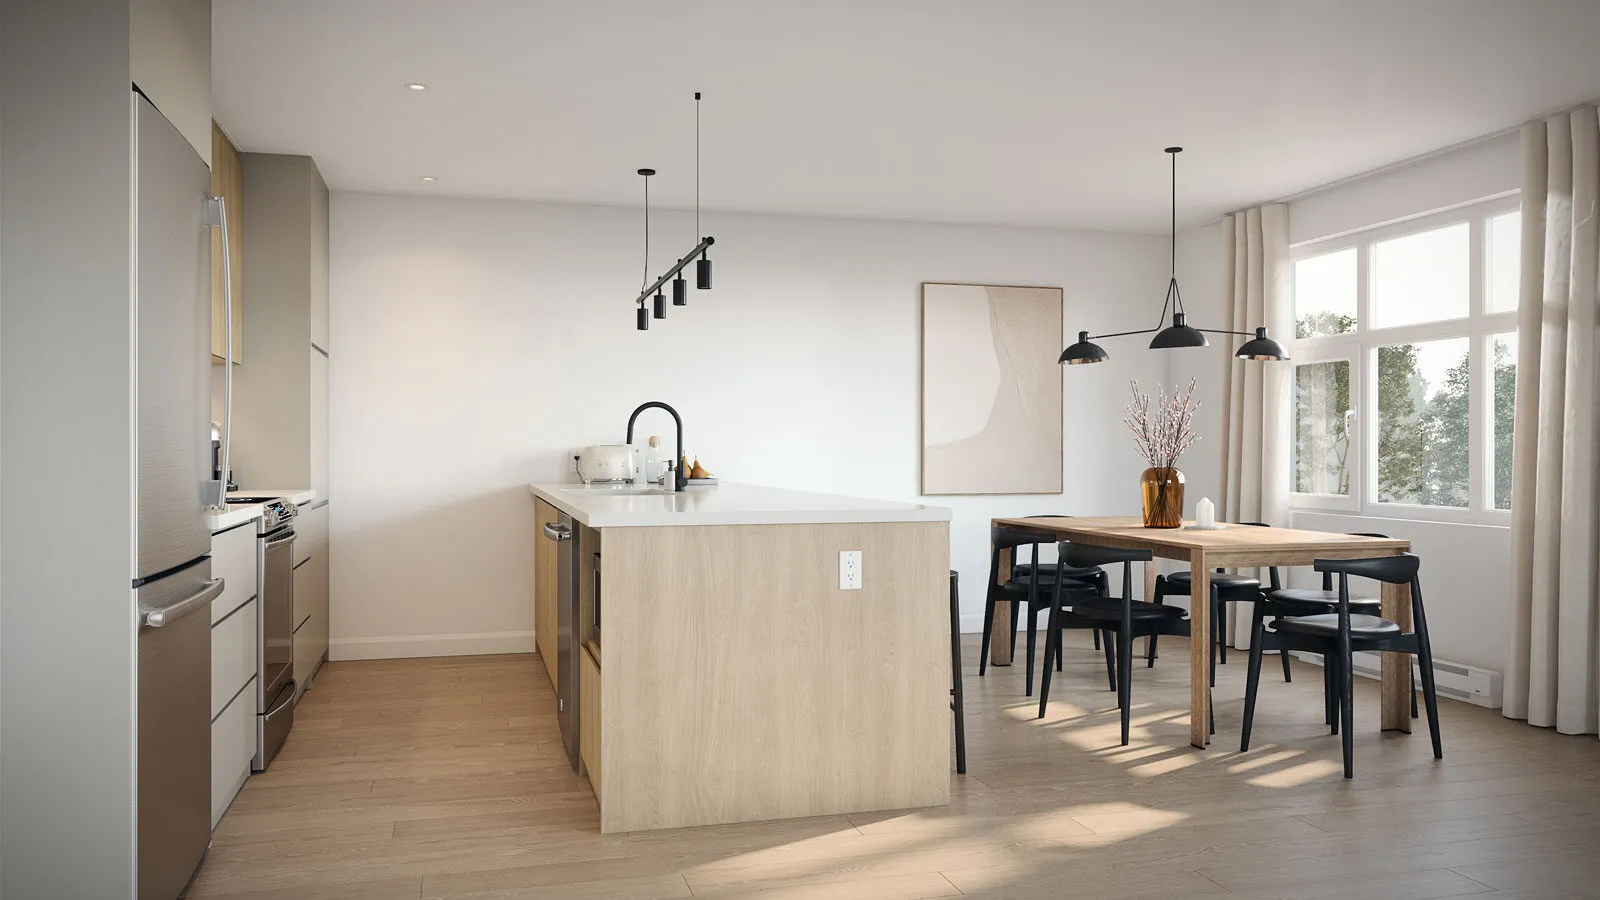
606 463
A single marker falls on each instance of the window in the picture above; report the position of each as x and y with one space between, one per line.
1404 379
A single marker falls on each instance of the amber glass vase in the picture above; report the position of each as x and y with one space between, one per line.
1162 488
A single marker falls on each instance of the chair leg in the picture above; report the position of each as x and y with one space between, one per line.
1111 663
1252 681
1430 699
1284 655
1125 652
1413 695
1052 626
1150 645
988 632
1033 636
1016 613
957 700
1057 637
1219 622
1125 675
1330 677
1347 690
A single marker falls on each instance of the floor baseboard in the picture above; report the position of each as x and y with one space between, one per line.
404 646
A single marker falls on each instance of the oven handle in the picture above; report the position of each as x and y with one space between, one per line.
279 540
287 693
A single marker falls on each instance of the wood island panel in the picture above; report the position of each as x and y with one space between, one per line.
742 684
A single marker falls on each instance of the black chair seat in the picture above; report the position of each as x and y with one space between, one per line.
1048 570
1109 609
1326 625
1311 601
1045 584
1223 580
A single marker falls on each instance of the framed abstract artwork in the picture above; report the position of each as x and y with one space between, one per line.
991 389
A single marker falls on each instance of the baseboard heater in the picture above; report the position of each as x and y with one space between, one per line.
1460 682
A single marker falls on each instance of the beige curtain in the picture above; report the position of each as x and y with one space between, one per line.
1553 670
1255 463
1255 460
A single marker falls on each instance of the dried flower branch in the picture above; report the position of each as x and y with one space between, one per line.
1164 438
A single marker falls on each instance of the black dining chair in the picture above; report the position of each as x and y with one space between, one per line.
1338 635
1049 571
1313 601
1123 618
957 704
1031 586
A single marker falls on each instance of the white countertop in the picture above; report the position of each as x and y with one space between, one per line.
248 512
723 504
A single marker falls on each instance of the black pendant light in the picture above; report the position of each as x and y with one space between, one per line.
1180 333
698 255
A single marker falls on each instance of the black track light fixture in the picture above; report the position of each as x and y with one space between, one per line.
1180 333
698 254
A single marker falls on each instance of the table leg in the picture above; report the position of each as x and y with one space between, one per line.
1397 666
1149 595
1199 650
1000 642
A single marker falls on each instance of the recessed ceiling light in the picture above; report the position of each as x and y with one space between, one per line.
429 178
415 86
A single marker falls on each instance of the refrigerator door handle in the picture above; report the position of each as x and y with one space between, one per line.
217 215
166 615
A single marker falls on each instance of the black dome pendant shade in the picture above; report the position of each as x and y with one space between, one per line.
1262 348
1180 333
1083 352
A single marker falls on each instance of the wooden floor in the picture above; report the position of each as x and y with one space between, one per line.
446 778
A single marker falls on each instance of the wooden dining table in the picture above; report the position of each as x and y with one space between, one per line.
1229 547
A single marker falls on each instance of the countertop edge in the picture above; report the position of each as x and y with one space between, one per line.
908 514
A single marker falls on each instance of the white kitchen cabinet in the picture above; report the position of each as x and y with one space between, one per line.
233 744
233 664
233 559
233 655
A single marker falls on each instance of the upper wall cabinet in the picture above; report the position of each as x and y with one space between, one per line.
171 44
227 181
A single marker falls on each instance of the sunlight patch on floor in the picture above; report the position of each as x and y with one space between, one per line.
1126 819
1298 774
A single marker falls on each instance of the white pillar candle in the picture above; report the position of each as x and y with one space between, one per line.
1205 513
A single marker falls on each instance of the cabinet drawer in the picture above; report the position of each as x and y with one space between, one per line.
233 744
233 559
233 655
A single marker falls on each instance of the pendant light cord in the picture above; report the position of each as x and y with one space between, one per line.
1174 215
697 166
645 279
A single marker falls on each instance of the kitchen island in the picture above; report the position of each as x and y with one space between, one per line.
736 680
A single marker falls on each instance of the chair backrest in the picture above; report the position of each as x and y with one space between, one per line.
1004 537
1327 577
1400 569
1090 555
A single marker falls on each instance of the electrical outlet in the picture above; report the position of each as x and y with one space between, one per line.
849 570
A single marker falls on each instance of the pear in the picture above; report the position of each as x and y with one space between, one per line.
699 471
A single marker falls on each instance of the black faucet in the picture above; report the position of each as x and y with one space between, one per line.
681 480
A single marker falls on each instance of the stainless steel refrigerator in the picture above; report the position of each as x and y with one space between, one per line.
173 573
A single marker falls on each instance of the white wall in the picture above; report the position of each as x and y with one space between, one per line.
482 341
1466 576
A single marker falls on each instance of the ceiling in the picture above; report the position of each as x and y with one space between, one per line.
1019 113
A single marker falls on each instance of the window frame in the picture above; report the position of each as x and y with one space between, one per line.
1360 348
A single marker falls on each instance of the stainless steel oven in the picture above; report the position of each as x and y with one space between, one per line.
274 629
